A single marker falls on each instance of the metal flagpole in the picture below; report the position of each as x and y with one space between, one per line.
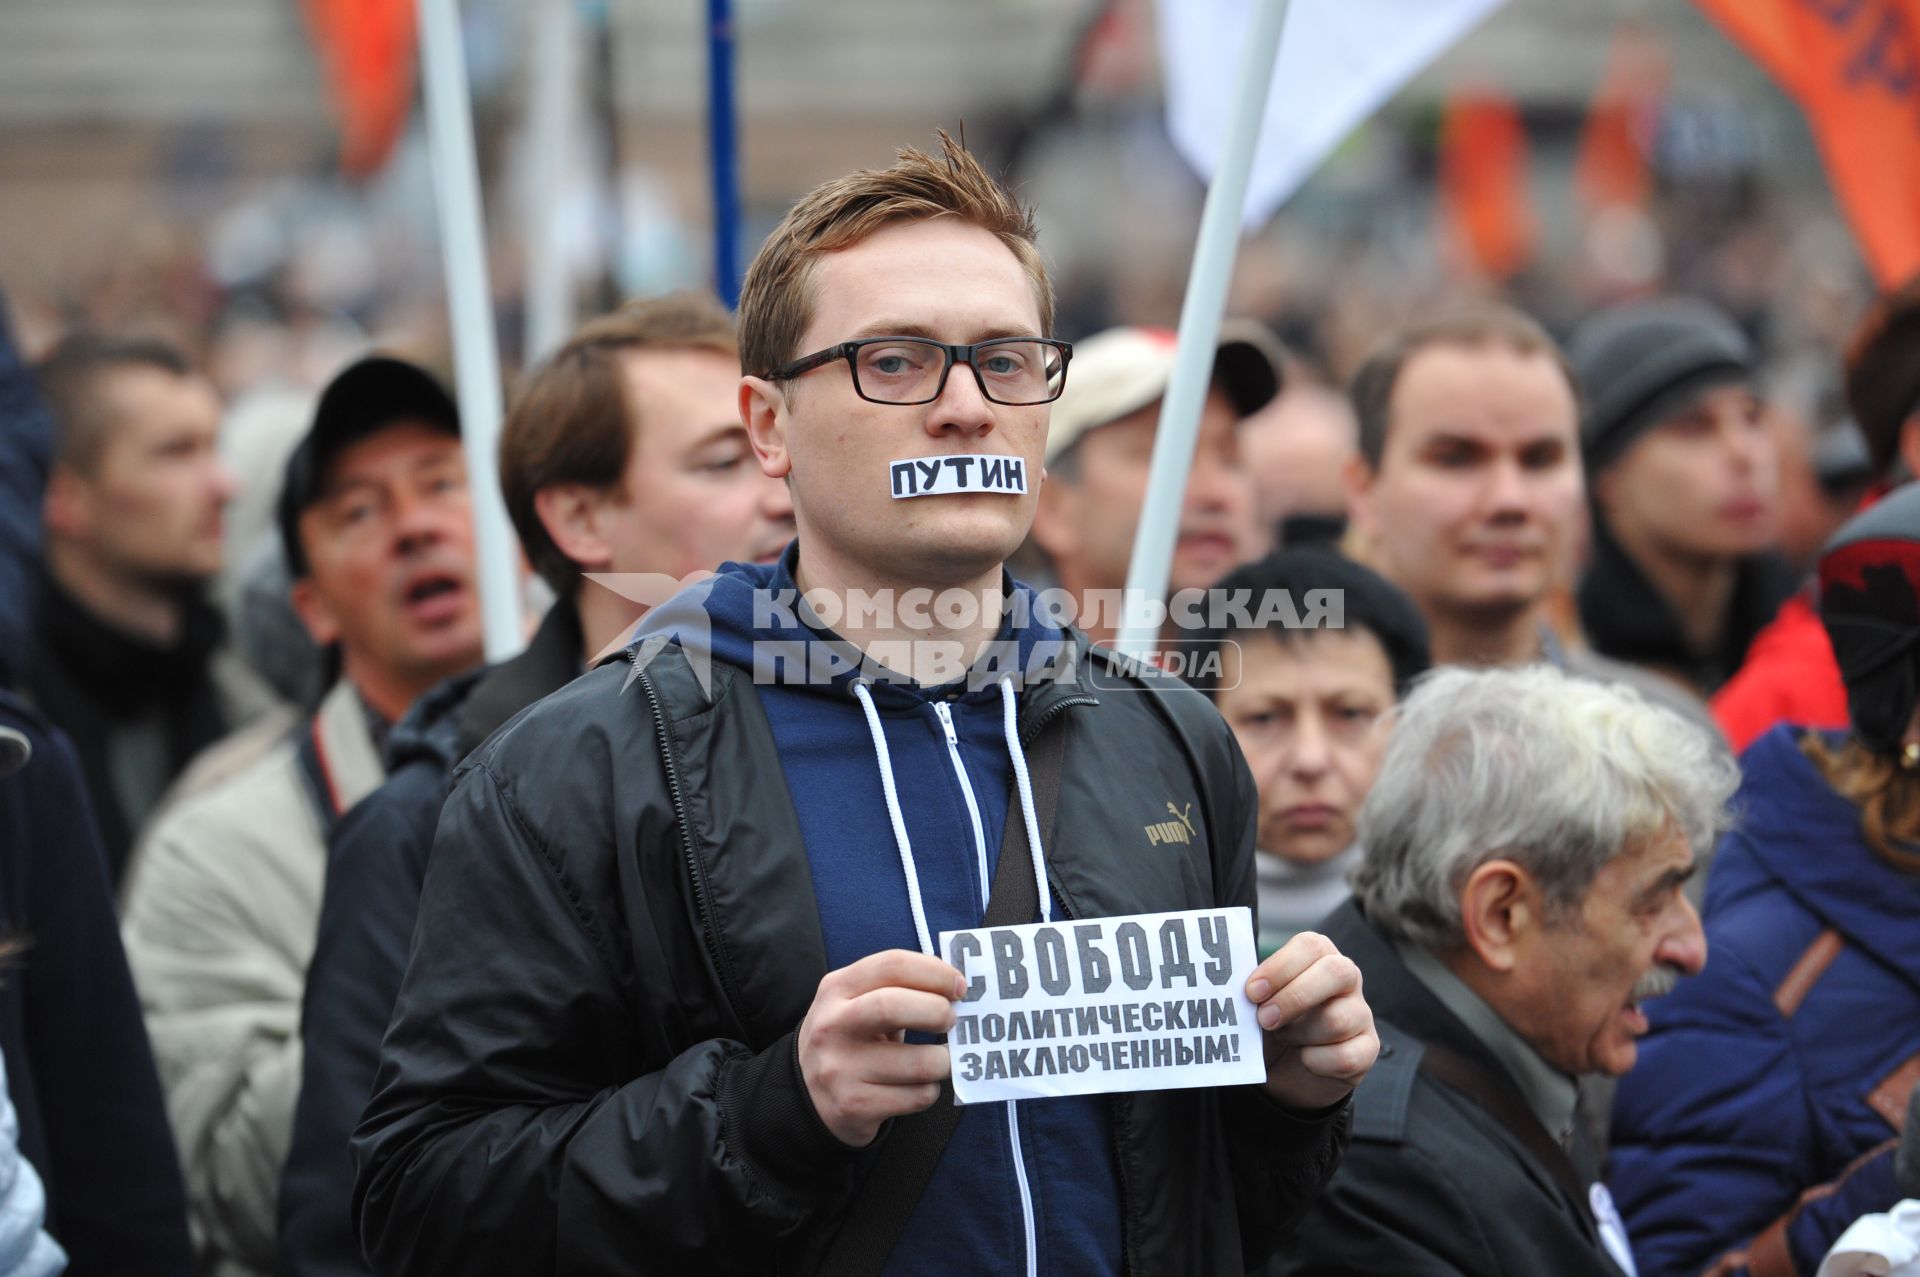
470 307
1200 313
722 142
552 71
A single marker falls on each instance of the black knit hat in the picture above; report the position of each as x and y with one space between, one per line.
1870 604
1370 603
1642 363
367 397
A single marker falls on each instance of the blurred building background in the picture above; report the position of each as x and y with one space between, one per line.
176 165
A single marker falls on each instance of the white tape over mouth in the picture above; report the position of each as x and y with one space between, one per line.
973 472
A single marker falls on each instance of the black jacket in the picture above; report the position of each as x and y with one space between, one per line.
592 1067
79 1067
104 686
1626 619
1433 1185
376 861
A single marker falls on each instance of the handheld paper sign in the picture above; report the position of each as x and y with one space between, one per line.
1147 1002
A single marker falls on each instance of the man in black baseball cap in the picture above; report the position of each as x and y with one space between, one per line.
1684 476
363 399
220 919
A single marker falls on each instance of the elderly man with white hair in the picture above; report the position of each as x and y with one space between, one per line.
1527 843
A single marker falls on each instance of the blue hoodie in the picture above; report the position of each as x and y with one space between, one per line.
947 752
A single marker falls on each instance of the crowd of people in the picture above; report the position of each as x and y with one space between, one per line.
1562 731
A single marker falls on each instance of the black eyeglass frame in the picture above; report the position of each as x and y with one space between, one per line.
850 350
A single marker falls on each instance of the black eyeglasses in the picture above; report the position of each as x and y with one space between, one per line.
1016 371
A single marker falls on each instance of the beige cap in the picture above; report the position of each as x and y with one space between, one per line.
1122 370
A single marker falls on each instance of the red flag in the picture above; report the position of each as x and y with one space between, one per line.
366 49
1854 67
1483 181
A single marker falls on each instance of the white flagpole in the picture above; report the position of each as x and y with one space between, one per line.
550 80
1200 314
470 306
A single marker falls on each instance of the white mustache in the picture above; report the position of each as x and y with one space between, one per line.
1657 982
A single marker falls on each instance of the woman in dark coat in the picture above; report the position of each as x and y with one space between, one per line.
1768 1102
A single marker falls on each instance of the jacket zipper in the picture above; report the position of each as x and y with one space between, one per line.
945 715
1052 712
1119 1109
694 868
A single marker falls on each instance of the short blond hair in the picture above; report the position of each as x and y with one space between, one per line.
776 298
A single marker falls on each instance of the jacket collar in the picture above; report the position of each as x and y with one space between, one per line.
1797 833
551 660
1626 618
1396 994
1548 1092
348 752
120 667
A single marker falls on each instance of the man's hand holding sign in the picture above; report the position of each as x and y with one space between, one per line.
1318 1029
859 1068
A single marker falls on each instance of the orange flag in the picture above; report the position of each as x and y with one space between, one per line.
366 49
1612 168
1483 181
1854 67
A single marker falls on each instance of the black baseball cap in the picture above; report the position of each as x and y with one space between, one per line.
366 398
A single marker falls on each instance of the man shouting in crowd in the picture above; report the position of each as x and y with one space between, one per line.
672 1003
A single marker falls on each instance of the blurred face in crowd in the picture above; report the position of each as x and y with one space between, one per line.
1810 511
1091 508
693 496
1703 484
1297 451
1311 714
149 506
389 546
1476 505
939 278
1578 982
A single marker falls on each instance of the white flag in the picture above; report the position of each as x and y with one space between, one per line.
1339 60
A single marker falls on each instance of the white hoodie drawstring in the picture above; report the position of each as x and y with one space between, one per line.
861 694
1024 783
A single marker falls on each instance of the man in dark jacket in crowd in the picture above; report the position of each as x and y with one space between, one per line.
1790 675
623 454
671 940
1468 491
1685 482
1527 842
79 1068
128 656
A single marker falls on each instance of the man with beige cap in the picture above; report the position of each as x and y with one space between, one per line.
1099 454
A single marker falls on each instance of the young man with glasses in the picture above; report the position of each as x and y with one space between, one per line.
672 1003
